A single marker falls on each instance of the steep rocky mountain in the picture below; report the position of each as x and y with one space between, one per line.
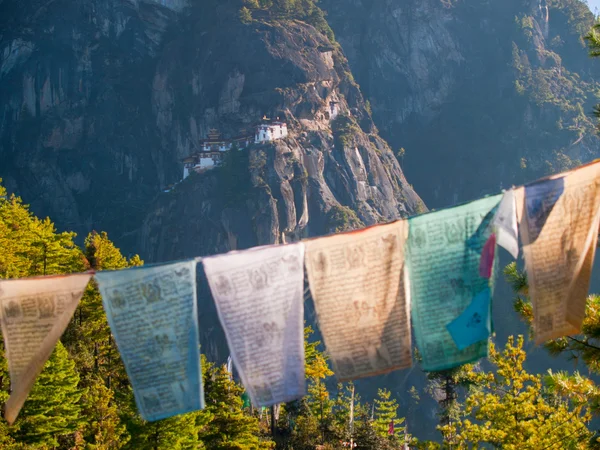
330 173
100 106
481 94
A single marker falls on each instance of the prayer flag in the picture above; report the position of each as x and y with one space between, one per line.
474 324
559 219
505 224
152 312
443 258
230 366
486 263
34 315
357 283
260 302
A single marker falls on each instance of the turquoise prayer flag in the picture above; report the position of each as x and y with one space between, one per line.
152 312
474 324
442 258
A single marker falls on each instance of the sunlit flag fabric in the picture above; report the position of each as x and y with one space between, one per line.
260 301
35 313
559 220
443 258
357 283
505 224
152 312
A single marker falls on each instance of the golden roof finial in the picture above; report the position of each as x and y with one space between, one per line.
213 134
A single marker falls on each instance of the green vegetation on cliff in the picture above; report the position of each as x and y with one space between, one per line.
305 10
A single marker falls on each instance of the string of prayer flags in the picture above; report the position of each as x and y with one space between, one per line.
357 284
559 219
34 314
450 300
505 224
260 302
152 312
365 284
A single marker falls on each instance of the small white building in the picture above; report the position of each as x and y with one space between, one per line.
333 110
212 151
201 162
271 131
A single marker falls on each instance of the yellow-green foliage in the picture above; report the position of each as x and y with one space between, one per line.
31 246
512 409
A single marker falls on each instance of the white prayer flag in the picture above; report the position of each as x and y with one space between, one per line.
505 223
34 315
259 298
152 312
358 286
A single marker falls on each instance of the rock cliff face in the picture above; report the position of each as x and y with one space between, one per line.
99 107
77 134
330 173
480 94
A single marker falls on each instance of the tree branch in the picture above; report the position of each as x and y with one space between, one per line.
584 343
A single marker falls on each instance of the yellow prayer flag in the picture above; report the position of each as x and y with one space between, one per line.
559 218
357 283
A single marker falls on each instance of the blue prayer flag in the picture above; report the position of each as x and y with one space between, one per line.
152 313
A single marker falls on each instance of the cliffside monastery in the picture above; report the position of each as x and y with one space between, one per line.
212 149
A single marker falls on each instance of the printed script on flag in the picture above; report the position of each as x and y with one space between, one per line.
35 313
443 258
357 282
260 301
559 219
152 312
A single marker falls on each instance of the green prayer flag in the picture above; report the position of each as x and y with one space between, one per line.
442 258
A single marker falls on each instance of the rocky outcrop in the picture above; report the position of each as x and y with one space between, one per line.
331 173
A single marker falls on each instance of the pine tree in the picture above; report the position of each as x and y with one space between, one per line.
342 410
366 435
511 409
52 412
228 427
103 429
386 409
174 433
584 347
245 15
445 387
317 370
31 246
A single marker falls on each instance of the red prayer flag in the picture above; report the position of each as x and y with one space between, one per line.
487 257
391 428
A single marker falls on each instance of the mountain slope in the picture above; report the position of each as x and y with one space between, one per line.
297 187
101 105
481 94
